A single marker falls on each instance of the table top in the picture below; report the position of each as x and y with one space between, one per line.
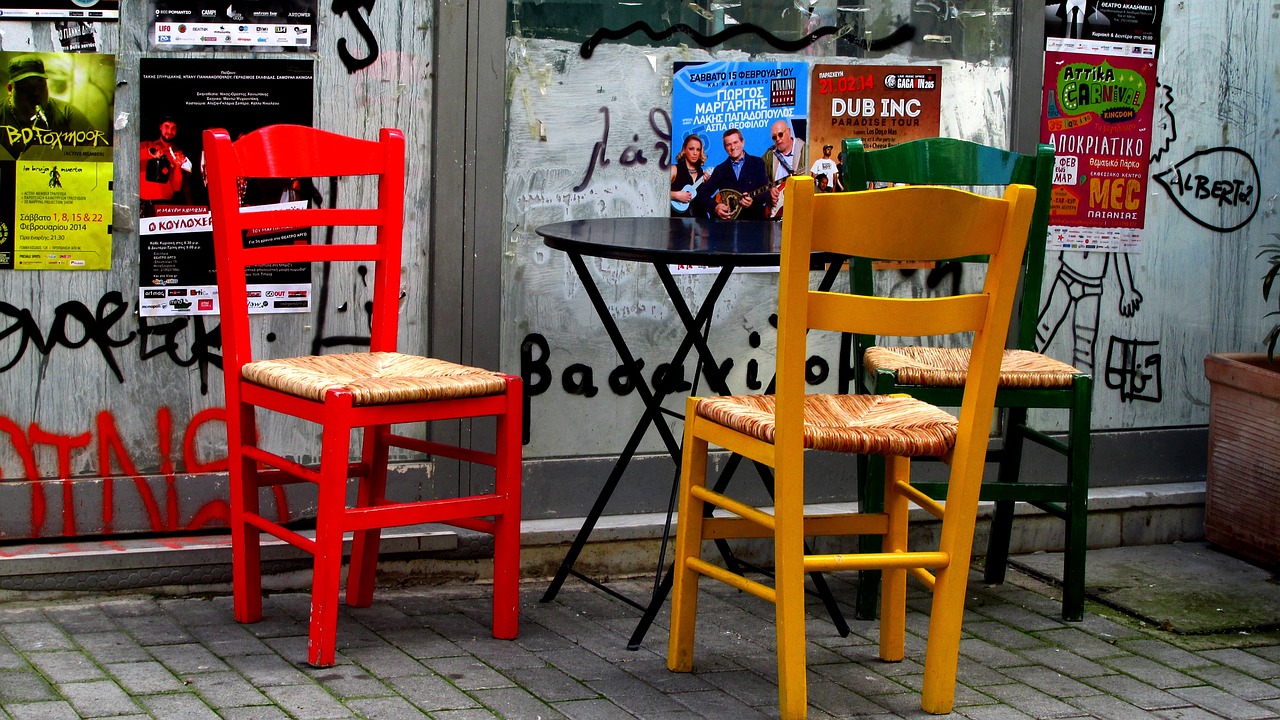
685 241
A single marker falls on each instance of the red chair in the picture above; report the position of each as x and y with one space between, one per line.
339 393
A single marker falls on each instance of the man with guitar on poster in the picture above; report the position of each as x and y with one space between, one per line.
788 156
738 188
687 176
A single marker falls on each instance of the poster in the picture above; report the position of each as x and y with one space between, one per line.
56 161
884 105
750 114
87 10
179 98
250 24
1100 73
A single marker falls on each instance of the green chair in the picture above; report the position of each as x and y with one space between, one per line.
1028 379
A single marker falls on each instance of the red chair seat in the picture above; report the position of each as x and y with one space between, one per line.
374 378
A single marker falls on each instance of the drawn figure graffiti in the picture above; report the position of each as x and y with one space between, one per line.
1165 127
1077 293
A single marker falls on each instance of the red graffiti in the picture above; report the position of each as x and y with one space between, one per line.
114 461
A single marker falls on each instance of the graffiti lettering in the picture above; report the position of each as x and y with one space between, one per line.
94 327
1216 188
114 460
1134 370
632 154
352 9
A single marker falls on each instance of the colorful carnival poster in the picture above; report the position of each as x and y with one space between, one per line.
179 99
1100 73
235 24
87 10
883 104
56 161
741 129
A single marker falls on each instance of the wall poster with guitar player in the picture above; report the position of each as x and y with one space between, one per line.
741 129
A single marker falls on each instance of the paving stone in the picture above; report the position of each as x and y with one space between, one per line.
1245 661
265 712
226 690
266 670
385 707
468 673
65 666
718 706
349 681
1236 683
144 678
21 686
1163 652
307 702
993 712
1084 644
385 661
112 646
100 698
79 619
1050 681
1032 701
1136 692
478 713
1220 703
432 693
9 658
1151 672
599 709
1188 713
550 684
190 612
36 636
182 706
155 629
983 652
1110 708
224 640
514 702
1067 662
49 710
1004 635
184 660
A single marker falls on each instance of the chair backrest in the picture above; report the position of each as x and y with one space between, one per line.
947 161
902 223
293 151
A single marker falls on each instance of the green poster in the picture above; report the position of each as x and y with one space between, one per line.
64 215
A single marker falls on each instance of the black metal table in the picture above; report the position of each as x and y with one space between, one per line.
662 242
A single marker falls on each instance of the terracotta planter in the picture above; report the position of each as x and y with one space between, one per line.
1242 494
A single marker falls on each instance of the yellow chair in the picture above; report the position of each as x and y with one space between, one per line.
905 223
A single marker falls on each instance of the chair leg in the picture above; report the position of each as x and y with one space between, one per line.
327 569
364 547
942 652
506 533
871 474
789 577
684 588
893 602
997 559
246 553
1073 572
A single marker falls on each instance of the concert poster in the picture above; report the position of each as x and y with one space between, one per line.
1099 84
257 25
179 98
86 10
883 104
56 166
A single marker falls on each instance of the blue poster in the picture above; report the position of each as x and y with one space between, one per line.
741 130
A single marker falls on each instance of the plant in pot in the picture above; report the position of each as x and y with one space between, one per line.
1242 489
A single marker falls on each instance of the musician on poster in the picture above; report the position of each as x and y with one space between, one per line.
739 187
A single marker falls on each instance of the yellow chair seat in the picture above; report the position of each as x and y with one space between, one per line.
948 367
377 378
863 424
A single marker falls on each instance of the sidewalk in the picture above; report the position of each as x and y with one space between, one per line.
425 651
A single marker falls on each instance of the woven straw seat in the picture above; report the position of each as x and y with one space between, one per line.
947 367
863 424
377 378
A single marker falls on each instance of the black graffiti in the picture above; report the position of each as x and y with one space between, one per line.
903 34
352 9
633 154
199 348
1216 188
73 326
1166 124
1134 370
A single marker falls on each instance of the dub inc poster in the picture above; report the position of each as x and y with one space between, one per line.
55 161
179 99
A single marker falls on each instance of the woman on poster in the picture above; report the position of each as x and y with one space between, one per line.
687 175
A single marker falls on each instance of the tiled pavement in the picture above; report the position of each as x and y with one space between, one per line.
425 651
